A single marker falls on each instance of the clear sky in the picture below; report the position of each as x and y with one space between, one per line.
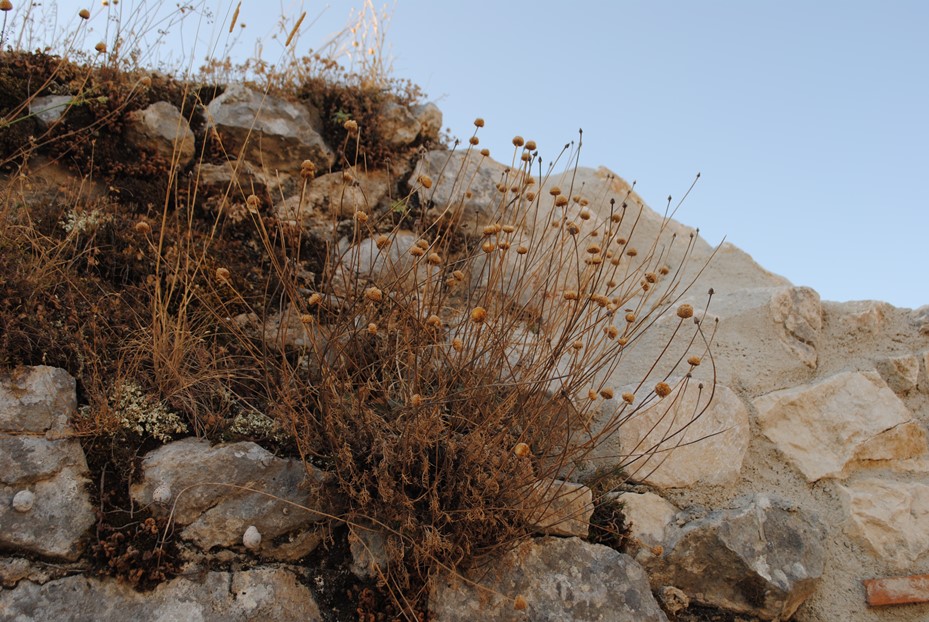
809 121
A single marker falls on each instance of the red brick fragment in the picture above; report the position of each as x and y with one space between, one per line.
897 590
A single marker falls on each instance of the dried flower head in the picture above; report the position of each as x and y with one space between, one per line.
374 294
585 214
611 331
630 317
84 14
478 315
631 252
474 140
526 156
651 277
142 227
520 604
662 389
685 311
694 360
518 141
530 196
416 400
663 270
606 393
350 126
570 295
308 169
314 299
622 341
530 145
434 321
222 274
382 241
488 246
508 228
554 191
573 228
100 47
434 259
307 319
593 249
459 275
372 328
416 251
423 244
628 397
457 344
578 345
489 230
479 122
425 181
485 152
252 203
360 217
561 200
521 450
522 250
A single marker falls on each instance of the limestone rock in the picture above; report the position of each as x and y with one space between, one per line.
464 188
398 125
559 579
860 316
45 507
430 119
562 508
277 134
829 427
763 558
340 194
660 445
924 371
162 127
265 594
48 109
369 552
900 372
648 518
220 491
799 315
920 319
889 518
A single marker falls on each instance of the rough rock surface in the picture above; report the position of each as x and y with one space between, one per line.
679 452
559 579
763 558
264 594
45 507
162 128
338 194
901 373
828 427
277 134
216 493
890 518
564 508
798 314
48 109
648 518
398 124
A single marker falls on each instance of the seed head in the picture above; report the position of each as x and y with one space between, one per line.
372 328
222 274
252 203
611 331
554 191
479 122
561 200
651 277
485 152
622 341
508 228
530 145
490 230
662 389
308 169
314 299
142 227
351 126
459 275
425 181
100 47
478 315
416 251
606 393
630 317
584 202
434 321
84 14
488 246
573 228
694 360
423 244
520 604
628 397
663 270
503 245
591 395
518 141
570 295
530 196
416 400
474 140
526 156
382 241
360 217
522 250
685 311
593 249
374 294
585 214
434 259
578 345
307 319
632 252
457 344
521 450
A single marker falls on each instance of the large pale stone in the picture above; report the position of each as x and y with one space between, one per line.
890 518
397 124
36 400
798 313
827 428
338 194
558 579
216 493
665 446
277 134
763 558
264 594
648 517
163 128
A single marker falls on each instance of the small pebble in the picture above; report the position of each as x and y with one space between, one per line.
252 538
23 501
162 494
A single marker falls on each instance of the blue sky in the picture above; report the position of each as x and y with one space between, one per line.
809 121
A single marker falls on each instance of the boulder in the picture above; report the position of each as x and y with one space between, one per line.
798 315
763 558
430 119
214 494
648 518
890 519
161 127
920 319
45 507
860 317
337 194
397 124
272 133
845 421
263 594
663 445
549 580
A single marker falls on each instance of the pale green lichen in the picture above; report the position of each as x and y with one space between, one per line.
141 414
79 221
256 425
